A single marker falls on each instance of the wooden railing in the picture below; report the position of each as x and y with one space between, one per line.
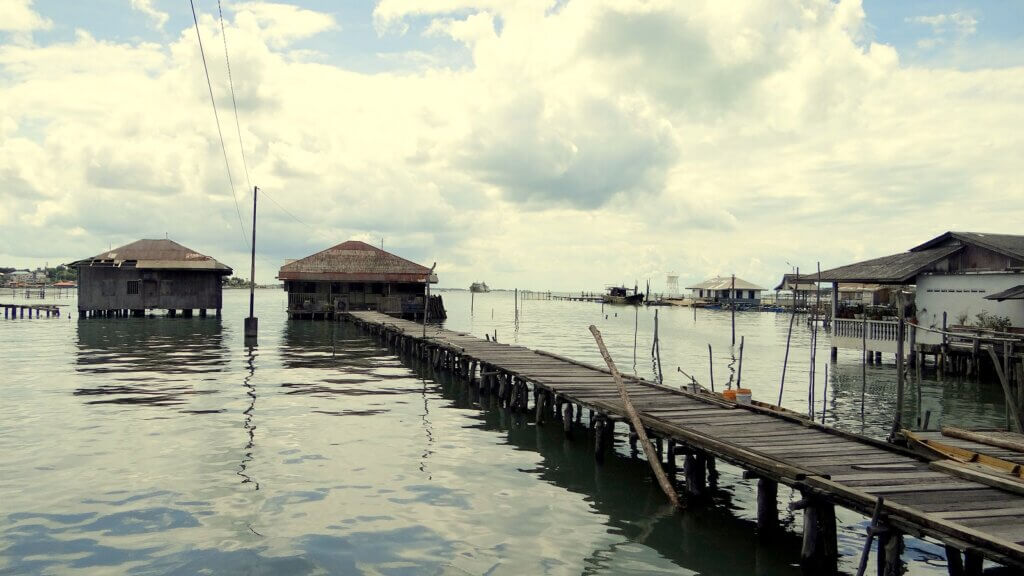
880 335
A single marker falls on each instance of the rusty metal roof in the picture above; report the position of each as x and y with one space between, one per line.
156 255
355 261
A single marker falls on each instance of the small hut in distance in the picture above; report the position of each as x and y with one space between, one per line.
726 290
357 276
148 275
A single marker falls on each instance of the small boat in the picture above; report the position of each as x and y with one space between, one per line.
479 287
623 295
999 453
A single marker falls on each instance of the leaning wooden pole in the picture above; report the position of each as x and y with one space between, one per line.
638 425
789 338
711 368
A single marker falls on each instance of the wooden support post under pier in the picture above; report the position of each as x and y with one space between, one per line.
819 554
695 468
767 506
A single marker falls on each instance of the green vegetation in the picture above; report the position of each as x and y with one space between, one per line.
236 282
993 322
61 274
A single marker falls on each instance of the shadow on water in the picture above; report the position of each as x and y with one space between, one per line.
708 537
152 361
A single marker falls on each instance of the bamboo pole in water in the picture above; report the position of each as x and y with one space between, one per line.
739 370
638 425
732 297
824 397
711 368
789 337
863 362
897 421
636 325
657 349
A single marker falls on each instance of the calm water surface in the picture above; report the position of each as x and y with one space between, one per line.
164 446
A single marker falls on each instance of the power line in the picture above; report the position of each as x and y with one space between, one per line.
285 210
231 84
227 164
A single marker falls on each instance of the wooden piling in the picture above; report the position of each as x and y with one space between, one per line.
767 506
695 470
819 554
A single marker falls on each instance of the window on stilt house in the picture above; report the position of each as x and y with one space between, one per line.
133 286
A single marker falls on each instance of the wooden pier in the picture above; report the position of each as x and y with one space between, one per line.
14 311
975 516
581 297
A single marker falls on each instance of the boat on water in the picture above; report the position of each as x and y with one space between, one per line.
479 287
623 295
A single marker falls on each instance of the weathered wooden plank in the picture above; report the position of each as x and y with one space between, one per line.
920 487
982 513
893 476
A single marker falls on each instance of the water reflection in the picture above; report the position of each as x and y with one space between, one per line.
621 490
247 423
151 361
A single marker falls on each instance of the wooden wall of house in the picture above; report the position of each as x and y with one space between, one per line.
106 288
977 258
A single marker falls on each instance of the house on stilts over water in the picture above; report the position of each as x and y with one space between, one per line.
357 276
961 291
149 275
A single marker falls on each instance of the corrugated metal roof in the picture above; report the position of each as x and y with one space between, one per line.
155 254
1007 244
724 283
1015 293
357 262
894 269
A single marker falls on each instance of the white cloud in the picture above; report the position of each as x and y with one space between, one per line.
157 17
955 27
585 143
18 16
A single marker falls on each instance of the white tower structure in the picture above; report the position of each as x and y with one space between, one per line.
672 283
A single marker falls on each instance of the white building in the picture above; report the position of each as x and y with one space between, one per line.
726 289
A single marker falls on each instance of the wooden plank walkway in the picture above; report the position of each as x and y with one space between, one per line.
829 467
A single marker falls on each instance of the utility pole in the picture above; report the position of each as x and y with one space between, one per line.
252 323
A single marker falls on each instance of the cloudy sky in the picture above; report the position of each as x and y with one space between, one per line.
542 144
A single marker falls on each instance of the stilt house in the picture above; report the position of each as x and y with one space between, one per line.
148 275
956 281
726 290
357 276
